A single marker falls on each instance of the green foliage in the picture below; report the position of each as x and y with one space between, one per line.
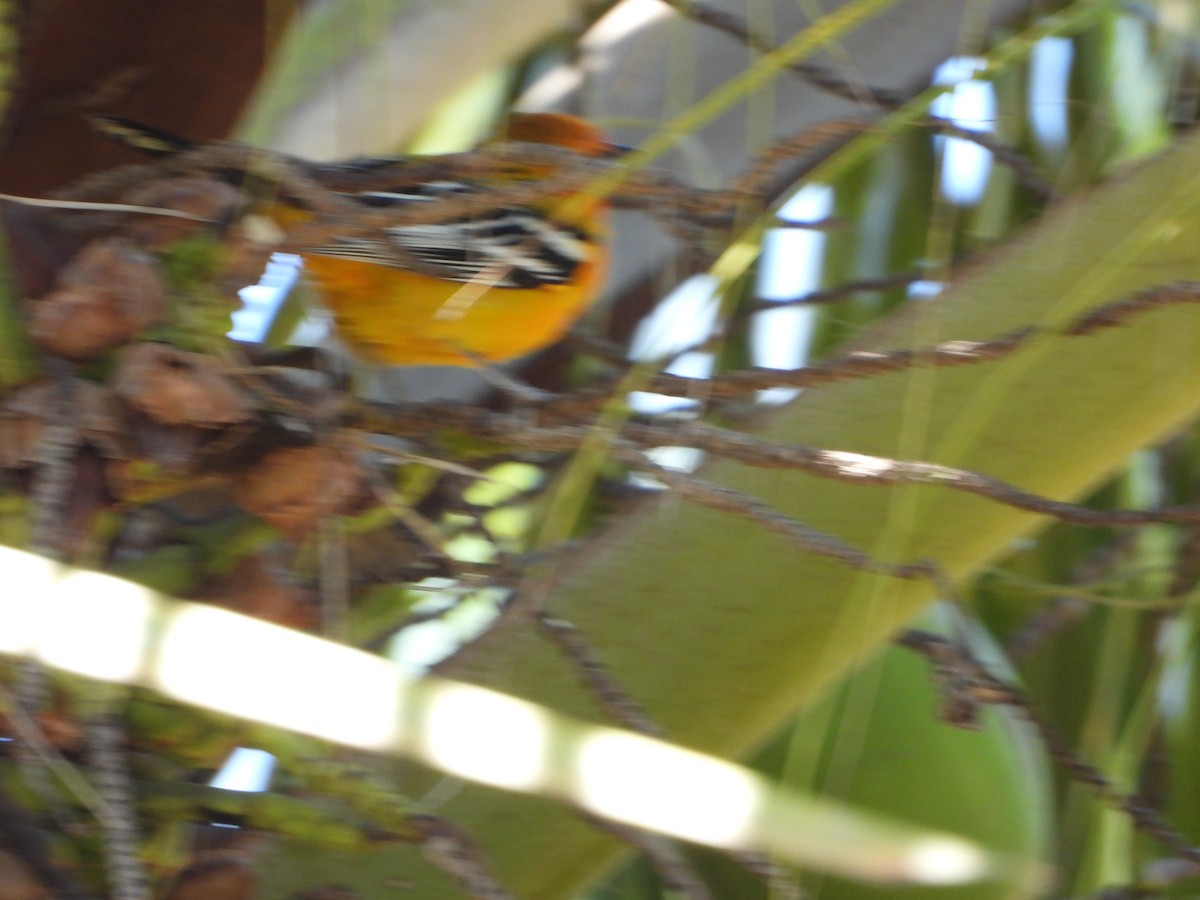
200 316
17 363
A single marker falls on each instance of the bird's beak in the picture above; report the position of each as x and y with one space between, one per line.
612 151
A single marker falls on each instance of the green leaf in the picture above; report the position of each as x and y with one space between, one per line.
721 630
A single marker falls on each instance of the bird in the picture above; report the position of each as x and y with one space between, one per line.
485 289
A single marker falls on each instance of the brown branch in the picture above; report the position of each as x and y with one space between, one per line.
861 468
730 23
827 296
808 539
127 876
850 366
1028 175
322 189
613 700
448 847
869 363
736 27
955 665
852 468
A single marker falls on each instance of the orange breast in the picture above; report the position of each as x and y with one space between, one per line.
402 317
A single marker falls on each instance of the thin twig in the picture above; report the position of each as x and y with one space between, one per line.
127 877
809 539
827 296
982 687
735 26
1023 168
448 847
853 468
613 700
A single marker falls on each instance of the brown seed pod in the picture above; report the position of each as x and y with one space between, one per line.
95 413
174 387
108 293
20 430
17 881
294 488
252 588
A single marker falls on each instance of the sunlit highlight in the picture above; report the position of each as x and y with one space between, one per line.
260 671
109 620
247 769
108 617
859 465
971 105
26 579
485 736
649 784
790 268
625 20
683 319
945 861
108 629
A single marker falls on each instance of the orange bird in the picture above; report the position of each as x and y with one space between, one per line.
509 282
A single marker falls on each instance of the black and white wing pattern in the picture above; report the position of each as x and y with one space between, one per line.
511 247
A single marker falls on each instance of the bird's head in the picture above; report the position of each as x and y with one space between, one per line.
559 130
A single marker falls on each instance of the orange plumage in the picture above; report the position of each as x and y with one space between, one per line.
516 279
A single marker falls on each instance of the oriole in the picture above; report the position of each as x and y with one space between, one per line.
515 279
509 282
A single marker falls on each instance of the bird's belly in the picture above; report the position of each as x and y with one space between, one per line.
405 318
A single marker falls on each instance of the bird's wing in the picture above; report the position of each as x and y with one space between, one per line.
512 247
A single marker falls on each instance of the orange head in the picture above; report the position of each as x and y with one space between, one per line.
570 133
559 130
